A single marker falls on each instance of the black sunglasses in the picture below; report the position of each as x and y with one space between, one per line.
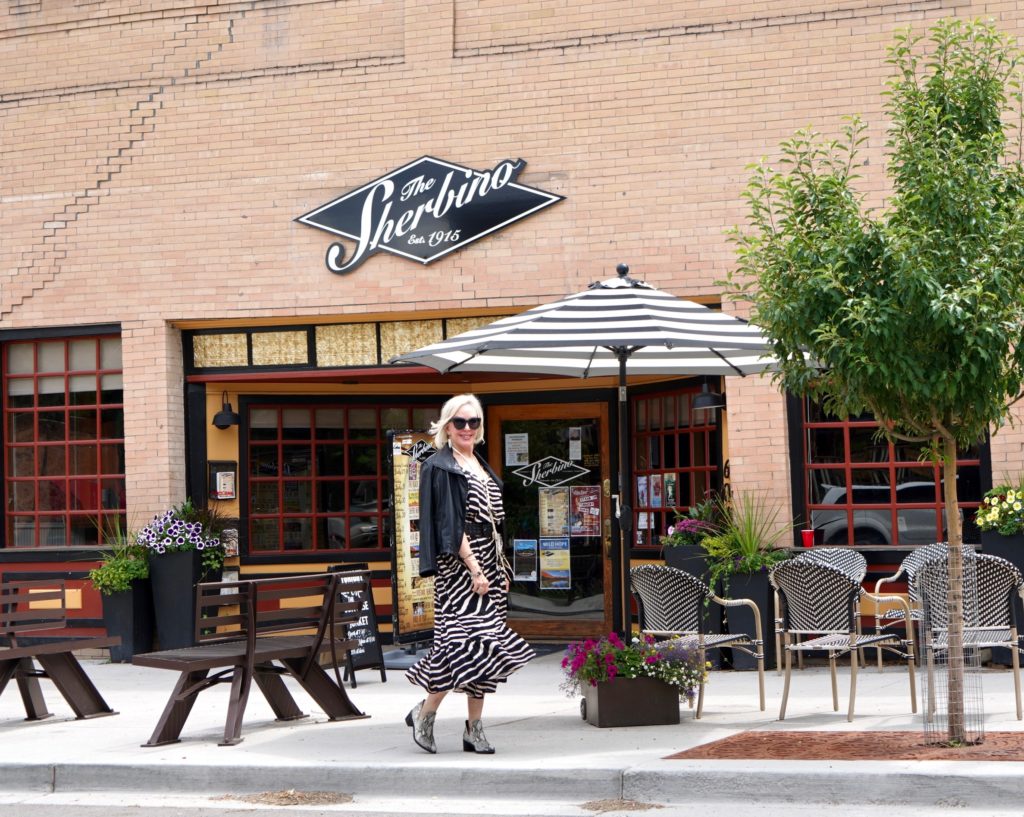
461 422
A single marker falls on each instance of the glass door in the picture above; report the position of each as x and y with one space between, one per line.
555 465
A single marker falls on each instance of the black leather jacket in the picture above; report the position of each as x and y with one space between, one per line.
443 492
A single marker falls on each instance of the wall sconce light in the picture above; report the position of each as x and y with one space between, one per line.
708 399
227 416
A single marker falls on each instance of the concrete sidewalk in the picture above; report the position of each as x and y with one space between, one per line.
545 751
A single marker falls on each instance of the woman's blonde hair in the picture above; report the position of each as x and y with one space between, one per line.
440 428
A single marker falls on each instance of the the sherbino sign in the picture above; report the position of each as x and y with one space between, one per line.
425 210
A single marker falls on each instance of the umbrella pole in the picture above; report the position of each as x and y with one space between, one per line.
624 511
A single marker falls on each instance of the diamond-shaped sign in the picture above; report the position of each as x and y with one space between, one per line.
550 471
425 210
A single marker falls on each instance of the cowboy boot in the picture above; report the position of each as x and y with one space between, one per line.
422 728
474 739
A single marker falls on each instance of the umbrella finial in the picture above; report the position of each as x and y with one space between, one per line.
622 270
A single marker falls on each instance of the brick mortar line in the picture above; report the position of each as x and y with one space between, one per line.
200 9
339 66
701 29
143 112
396 58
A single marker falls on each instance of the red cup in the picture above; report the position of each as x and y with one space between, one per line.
808 536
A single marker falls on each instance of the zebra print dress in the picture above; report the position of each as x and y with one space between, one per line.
473 649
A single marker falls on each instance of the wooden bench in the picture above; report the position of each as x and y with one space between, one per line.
33 623
243 628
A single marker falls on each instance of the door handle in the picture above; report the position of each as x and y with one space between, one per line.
607 536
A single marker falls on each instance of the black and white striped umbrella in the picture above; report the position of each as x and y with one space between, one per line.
590 333
620 326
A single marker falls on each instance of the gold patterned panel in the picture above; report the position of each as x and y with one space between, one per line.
210 351
349 344
404 336
279 348
456 326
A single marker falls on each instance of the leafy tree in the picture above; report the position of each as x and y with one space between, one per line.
914 312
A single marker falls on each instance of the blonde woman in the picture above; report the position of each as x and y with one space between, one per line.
460 545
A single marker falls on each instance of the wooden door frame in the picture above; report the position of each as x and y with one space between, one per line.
497 414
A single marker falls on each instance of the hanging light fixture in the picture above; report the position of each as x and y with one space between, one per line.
227 416
708 399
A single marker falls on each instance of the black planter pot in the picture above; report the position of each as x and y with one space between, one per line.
129 614
740 619
174 577
691 558
1010 548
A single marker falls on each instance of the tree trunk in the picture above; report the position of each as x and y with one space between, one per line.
955 602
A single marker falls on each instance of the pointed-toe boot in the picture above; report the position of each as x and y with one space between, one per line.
422 728
474 739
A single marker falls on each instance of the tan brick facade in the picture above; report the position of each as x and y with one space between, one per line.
155 155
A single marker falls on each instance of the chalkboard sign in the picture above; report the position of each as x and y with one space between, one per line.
368 654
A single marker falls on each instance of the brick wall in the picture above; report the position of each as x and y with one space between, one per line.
155 155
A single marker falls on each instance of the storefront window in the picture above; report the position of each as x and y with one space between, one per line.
675 460
862 489
316 475
63 441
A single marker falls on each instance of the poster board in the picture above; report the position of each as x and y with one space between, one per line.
368 654
412 606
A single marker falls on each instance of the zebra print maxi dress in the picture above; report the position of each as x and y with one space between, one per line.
473 649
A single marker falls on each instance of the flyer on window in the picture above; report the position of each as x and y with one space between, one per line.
641 492
656 488
555 572
517 449
553 509
585 510
524 560
670 490
575 443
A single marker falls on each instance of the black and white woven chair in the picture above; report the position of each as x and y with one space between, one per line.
989 623
845 560
819 607
893 616
671 603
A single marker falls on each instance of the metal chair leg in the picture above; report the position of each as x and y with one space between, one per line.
785 686
853 683
835 684
1015 655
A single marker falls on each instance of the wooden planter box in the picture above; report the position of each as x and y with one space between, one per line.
630 702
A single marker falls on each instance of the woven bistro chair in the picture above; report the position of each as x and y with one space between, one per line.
846 560
671 603
884 619
990 624
819 607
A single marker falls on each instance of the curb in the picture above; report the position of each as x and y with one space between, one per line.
984 784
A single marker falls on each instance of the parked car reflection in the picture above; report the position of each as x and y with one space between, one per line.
873 526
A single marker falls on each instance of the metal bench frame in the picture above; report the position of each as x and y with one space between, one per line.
33 622
257 630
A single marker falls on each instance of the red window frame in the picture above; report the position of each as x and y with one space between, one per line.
314 493
896 499
670 442
63 449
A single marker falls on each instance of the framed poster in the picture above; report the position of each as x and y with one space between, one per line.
412 596
524 560
585 510
555 571
553 509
